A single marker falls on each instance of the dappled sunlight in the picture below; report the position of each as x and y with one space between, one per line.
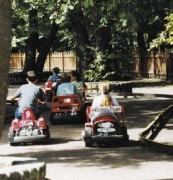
67 152
140 112
75 154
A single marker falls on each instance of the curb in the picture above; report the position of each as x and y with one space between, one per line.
14 168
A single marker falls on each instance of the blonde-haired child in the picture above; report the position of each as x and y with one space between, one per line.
105 99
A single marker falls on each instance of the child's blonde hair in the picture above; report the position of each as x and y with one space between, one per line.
106 98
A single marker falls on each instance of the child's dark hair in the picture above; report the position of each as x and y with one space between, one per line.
31 76
65 77
76 74
56 70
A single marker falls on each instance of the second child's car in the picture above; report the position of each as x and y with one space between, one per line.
67 109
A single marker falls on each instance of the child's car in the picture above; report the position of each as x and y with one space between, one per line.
67 108
28 129
105 125
50 88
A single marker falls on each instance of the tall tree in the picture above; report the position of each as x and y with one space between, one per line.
5 48
45 45
31 42
76 24
36 28
103 34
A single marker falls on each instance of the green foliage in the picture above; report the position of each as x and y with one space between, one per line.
109 66
48 11
97 68
110 34
165 38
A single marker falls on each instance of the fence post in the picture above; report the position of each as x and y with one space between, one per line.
169 57
49 61
62 56
21 59
154 62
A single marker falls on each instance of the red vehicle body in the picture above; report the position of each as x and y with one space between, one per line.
105 127
50 88
28 129
66 108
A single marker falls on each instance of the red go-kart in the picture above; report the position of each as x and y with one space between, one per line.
66 108
105 125
50 88
28 129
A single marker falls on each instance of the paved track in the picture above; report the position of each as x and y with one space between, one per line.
68 159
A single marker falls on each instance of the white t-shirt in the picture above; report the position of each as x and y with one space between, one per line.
98 100
96 103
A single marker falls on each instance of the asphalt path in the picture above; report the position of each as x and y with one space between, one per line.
67 158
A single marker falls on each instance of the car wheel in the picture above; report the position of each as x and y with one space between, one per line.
123 130
49 96
46 132
88 143
11 136
51 119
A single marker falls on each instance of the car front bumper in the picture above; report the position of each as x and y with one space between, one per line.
109 138
29 139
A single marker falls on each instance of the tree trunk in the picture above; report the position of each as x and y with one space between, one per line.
141 41
32 41
77 27
44 47
142 49
5 47
103 38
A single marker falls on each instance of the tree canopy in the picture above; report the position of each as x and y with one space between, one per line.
103 34
165 38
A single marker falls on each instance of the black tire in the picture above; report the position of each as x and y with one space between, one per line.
14 144
11 134
51 119
123 130
88 143
49 96
46 132
53 122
